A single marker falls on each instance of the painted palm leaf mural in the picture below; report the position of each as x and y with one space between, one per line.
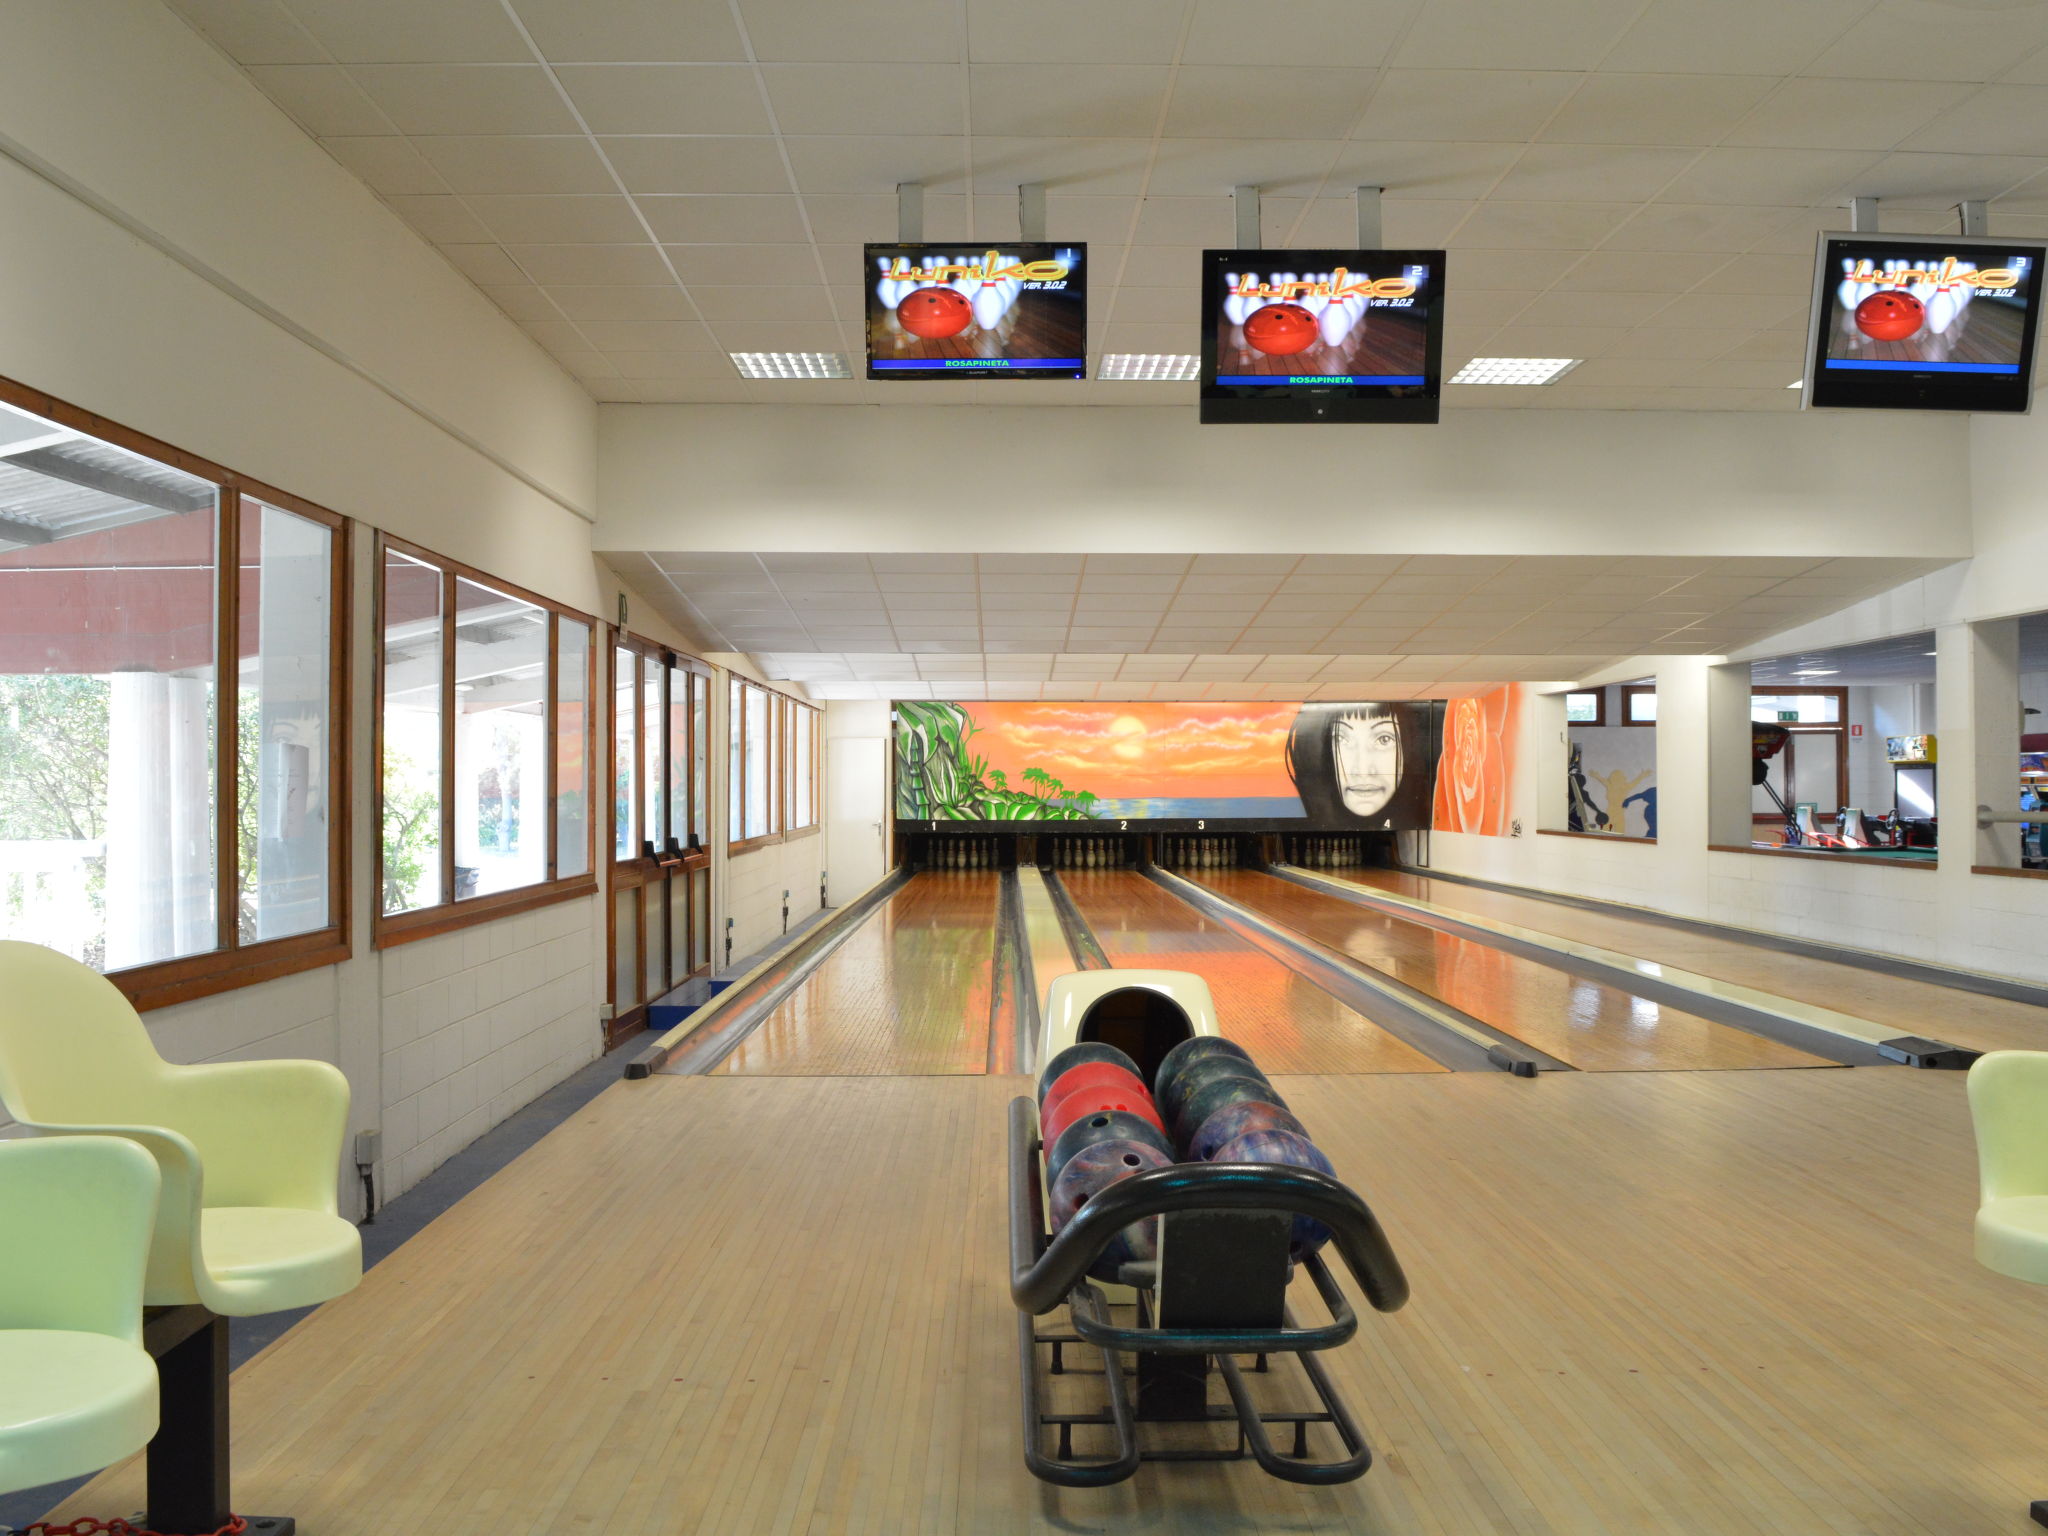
941 777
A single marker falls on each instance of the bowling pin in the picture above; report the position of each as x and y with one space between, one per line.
988 305
1233 301
1335 322
1941 312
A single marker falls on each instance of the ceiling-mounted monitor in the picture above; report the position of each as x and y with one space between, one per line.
960 311
1923 322
1308 336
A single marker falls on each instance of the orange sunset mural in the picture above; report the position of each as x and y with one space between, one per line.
1349 765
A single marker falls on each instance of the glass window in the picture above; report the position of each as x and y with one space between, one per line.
1585 708
735 766
1639 706
679 756
1796 708
700 759
501 683
758 749
653 733
285 616
109 609
625 757
411 770
572 748
804 765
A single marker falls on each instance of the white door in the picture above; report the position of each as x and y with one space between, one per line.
855 815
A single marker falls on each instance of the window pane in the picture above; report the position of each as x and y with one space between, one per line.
572 749
1581 708
1642 708
653 933
700 778
412 733
735 767
625 759
501 680
1803 708
806 767
108 610
679 756
757 762
652 734
625 947
282 721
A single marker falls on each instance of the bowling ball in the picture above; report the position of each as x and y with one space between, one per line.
1197 1072
1184 1055
1063 1109
1104 1125
1074 1055
1234 1120
1094 1169
1291 1151
935 313
1212 1095
1890 315
1280 330
1095 1074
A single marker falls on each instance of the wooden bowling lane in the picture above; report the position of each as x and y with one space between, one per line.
1898 1004
1591 1026
1288 1023
906 994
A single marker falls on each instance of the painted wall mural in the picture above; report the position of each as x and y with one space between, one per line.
1475 777
1364 765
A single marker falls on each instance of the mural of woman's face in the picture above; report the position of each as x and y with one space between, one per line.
1368 754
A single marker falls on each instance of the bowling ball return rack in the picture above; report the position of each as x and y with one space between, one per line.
1218 1291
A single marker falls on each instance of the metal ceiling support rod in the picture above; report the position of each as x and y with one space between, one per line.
1975 215
910 212
1863 215
1031 212
1369 236
1248 236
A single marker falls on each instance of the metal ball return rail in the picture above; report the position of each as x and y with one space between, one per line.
1217 1291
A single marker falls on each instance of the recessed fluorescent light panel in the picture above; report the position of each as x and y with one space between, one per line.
791 365
1515 370
1150 365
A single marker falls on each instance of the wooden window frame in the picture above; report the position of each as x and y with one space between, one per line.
1840 727
448 914
1599 706
782 710
232 964
1630 692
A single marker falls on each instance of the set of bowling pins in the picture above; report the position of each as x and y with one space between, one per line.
1336 315
1087 853
1326 852
992 297
963 853
1199 852
1944 302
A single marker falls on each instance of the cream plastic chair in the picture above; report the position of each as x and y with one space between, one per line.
249 1151
2009 1108
77 1389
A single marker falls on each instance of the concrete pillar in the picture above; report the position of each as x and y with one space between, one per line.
1727 752
1990 776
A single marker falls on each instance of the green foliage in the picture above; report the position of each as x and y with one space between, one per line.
53 757
940 778
412 829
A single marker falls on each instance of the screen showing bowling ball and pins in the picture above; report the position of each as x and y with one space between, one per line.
1360 319
1925 309
1016 312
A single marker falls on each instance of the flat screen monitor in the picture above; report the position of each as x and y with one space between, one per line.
1322 335
1923 322
956 311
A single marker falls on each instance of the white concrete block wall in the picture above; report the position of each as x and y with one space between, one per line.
754 883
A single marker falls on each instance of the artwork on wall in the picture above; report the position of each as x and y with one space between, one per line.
1364 765
1612 774
1476 772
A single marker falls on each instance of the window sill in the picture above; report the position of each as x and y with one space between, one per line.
428 922
1827 856
749 845
2013 874
1598 837
225 970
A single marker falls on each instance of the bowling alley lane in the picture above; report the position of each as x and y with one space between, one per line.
906 994
1909 1007
1287 1022
1591 1026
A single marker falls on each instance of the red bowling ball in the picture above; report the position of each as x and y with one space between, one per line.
935 313
1891 315
1280 330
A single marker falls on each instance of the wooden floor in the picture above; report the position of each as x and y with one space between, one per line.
907 992
1714 1302
1586 1024
1911 1007
1287 1022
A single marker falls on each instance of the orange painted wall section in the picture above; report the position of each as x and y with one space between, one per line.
1476 773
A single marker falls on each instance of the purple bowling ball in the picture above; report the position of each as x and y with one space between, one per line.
1093 1169
1235 1120
1289 1150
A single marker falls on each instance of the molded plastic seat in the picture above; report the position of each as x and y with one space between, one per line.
250 1151
77 1390
2009 1109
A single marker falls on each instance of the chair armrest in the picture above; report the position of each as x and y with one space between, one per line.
268 1133
170 1280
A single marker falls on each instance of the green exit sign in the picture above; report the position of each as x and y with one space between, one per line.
1788 714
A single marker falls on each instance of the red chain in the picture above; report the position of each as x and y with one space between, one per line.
118 1527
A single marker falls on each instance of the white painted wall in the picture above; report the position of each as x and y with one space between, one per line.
708 477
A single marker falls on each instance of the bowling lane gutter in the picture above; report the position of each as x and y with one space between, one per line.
1822 1032
1447 1035
1088 953
1013 1019
711 1034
